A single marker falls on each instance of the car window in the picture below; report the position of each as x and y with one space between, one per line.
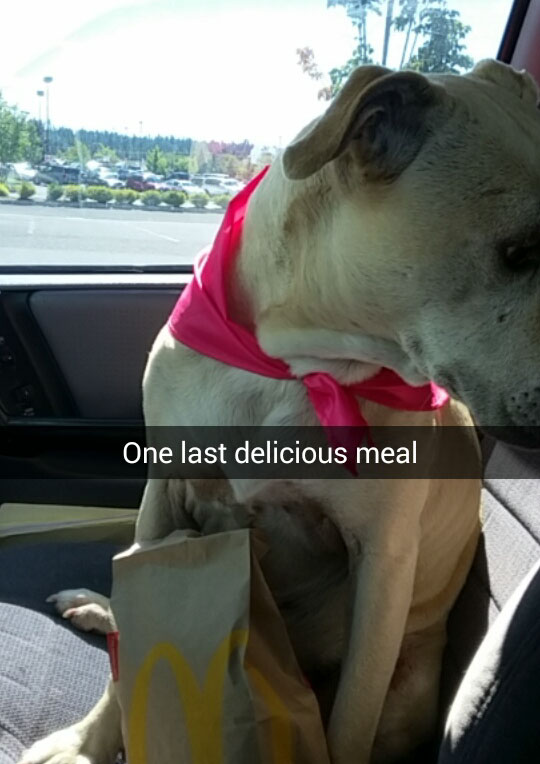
101 103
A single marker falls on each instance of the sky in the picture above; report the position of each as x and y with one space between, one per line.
205 69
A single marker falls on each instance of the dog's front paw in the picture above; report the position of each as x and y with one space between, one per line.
62 747
71 598
86 610
90 617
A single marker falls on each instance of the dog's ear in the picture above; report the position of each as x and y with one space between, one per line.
505 76
379 114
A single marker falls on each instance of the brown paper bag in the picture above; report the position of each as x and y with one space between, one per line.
206 672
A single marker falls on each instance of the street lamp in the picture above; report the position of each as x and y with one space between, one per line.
47 81
40 94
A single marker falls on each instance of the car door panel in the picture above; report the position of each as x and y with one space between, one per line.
71 366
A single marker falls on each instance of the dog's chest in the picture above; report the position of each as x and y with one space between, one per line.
305 565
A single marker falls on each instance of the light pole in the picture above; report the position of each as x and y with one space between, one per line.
40 94
140 144
47 81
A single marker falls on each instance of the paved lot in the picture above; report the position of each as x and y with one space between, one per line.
72 236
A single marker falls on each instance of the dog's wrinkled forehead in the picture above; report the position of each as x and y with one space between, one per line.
520 83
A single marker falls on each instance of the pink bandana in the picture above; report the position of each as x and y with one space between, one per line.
200 320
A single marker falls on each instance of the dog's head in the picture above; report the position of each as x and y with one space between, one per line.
434 230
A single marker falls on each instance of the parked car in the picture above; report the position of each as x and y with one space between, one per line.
23 171
172 184
179 175
139 183
233 185
112 180
64 174
92 179
152 177
214 187
190 188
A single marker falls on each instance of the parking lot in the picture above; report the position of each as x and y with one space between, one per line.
63 236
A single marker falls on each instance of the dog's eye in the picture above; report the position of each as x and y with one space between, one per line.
521 257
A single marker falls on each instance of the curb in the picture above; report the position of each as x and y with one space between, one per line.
110 206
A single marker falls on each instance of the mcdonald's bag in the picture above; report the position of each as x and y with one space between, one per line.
206 673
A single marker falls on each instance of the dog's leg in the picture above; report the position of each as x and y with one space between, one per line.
383 543
383 585
95 740
98 737
409 715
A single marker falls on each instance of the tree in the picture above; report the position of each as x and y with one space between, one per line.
19 136
203 157
156 161
177 162
358 11
438 27
387 30
228 163
105 153
443 48
246 170
405 21
32 147
306 60
79 152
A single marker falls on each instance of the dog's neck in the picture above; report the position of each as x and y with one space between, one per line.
290 260
300 282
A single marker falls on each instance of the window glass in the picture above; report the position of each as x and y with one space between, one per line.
125 125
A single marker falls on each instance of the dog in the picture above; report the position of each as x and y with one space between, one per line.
400 229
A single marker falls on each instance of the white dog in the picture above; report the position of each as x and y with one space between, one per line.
401 229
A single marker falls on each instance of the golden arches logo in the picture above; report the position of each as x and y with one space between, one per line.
203 708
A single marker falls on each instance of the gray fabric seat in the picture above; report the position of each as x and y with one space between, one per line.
50 676
496 713
508 549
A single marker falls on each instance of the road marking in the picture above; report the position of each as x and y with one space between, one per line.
31 227
159 235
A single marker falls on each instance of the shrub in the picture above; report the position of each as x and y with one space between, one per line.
74 193
125 195
222 200
54 192
200 200
174 198
150 198
100 194
26 190
4 190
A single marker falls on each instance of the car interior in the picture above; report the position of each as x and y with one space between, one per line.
73 346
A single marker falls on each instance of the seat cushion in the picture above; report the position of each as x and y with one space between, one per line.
50 675
508 549
495 716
